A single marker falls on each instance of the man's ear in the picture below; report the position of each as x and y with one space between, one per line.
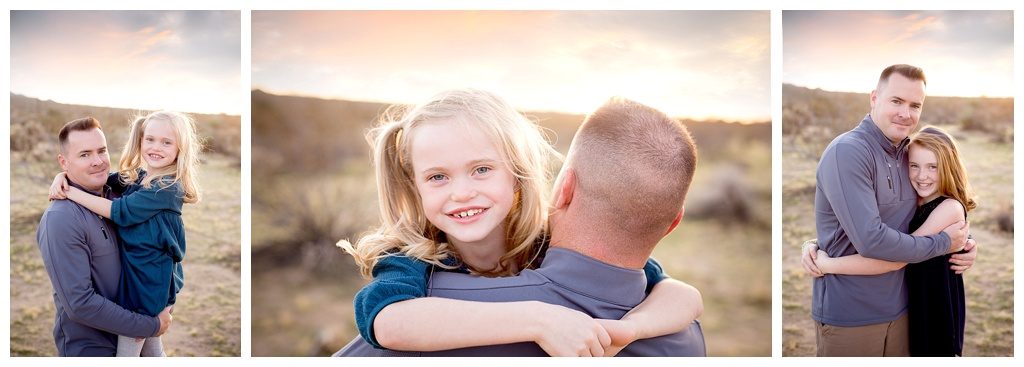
874 98
675 222
62 162
565 190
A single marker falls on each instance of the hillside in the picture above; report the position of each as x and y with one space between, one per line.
35 122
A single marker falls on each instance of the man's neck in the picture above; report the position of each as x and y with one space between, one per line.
604 248
95 191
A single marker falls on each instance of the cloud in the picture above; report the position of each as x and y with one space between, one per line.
846 50
128 58
552 59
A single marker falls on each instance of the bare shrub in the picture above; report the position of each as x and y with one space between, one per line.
1004 218
726 197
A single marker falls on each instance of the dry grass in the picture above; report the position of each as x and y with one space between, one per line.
989 283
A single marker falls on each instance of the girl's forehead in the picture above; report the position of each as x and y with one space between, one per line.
919 152
159 125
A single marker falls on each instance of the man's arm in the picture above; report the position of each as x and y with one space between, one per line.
66 257
845 178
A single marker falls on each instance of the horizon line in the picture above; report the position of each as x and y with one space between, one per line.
119 107
766 120
869 92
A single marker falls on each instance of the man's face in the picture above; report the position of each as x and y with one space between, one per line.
85 159
896 106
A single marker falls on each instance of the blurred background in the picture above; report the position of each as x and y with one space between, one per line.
113 65
832 61
321 80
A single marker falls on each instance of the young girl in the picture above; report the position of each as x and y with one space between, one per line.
157 174
463 183
936 294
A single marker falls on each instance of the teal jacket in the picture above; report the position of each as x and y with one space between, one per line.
152 242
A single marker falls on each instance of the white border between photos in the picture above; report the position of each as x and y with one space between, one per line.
246 6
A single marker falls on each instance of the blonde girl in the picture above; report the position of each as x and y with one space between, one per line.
463 184
936 308
156 176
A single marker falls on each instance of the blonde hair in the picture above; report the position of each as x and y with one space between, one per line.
404 226
186 164
952 176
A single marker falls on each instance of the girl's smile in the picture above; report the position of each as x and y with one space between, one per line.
465 189
924 173
159 144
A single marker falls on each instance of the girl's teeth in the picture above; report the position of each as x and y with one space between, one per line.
468 213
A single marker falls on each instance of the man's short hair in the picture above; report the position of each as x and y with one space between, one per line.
633 166
909 71
82 124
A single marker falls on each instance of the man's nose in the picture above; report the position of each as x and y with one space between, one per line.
904 111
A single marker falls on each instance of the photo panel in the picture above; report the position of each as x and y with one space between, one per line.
321 80
895 125
152 217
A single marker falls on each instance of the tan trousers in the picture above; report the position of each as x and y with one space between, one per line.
887 339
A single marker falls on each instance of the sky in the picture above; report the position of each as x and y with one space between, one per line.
694 64
176 60
963 53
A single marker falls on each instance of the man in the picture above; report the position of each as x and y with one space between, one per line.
81 256
863 205
620 191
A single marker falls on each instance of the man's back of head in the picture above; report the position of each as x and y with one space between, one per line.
633 167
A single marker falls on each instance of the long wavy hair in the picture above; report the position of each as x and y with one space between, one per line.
952 176
404 227
186 165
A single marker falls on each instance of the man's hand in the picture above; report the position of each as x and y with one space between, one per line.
808 254
957 235
621 332
165 320
963 261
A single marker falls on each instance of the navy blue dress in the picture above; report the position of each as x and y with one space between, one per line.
936 306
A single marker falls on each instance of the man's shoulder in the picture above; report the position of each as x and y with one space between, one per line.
850 143
447 280
63 212
853 137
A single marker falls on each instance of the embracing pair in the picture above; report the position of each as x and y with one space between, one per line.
891 216
474 257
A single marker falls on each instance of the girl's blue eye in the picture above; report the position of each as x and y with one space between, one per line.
482 170
437 177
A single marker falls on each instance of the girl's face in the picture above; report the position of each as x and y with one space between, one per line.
159 144
465 188
924 173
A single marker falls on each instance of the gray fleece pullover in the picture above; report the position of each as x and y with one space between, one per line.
863 205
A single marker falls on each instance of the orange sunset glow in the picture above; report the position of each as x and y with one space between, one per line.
696 64
179 60
963 53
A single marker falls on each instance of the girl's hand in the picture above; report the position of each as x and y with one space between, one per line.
59 188
823 262
621 332
569 333
808 253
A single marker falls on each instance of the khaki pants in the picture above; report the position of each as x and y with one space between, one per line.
887 339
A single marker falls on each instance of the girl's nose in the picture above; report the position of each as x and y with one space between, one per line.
463 193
